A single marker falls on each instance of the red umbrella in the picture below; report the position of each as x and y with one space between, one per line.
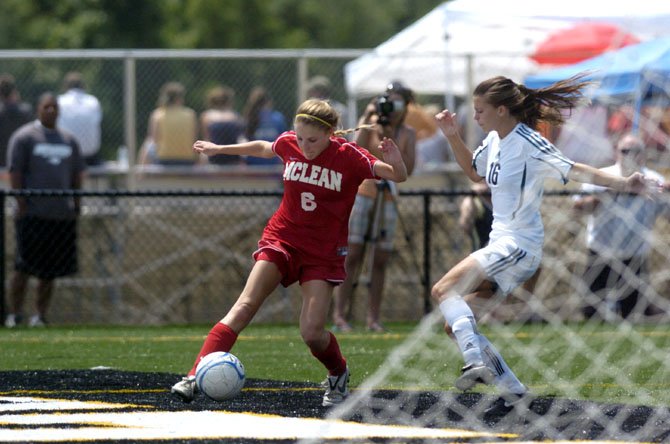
580 42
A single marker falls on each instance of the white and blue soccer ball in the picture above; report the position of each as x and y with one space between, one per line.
220 376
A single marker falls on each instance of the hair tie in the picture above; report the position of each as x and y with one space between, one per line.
315 118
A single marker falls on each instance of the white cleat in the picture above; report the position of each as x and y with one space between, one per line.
474 374
185 389
337 389
520 402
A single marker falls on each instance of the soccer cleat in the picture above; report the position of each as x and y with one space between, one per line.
337 389
508 402
185 389
474 374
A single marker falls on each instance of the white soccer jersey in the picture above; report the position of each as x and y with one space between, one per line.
515 169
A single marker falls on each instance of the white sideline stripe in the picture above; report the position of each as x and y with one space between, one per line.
186 425
13 404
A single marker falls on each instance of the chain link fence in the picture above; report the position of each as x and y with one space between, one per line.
183 257
127 82
176 257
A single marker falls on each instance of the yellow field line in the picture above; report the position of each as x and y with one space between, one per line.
15 339
70 339
311 389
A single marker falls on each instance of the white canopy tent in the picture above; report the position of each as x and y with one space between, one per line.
462 42
434 55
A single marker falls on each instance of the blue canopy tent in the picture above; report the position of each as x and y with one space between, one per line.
638 72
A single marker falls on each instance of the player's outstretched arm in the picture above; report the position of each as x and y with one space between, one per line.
393 167
446 121
635 183
255 148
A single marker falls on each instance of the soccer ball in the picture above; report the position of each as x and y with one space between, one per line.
220 376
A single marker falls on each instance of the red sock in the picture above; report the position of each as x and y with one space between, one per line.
331 357
220 338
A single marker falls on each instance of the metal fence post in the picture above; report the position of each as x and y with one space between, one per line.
4 254
130 116
302 73
426 253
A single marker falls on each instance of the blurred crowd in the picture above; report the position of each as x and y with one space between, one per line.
174 124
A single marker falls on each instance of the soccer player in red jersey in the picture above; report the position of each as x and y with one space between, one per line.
305 241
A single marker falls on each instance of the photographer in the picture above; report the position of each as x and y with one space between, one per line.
384 116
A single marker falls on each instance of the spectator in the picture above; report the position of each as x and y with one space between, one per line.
476 215
617 237
379 122
263 122
41 156
221 124
432 148
319 87
81 114
172 129
13 113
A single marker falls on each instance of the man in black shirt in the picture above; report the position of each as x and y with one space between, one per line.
41 156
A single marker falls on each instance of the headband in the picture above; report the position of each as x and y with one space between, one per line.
315 118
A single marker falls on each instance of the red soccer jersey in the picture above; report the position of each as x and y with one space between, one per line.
313 216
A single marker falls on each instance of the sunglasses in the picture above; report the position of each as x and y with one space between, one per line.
627 151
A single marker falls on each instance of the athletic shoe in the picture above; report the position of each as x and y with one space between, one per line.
343 327
508 402
337 389
10 321
36 321
185 389
474 374
376 328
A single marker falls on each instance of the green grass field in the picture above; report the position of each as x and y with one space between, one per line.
545 358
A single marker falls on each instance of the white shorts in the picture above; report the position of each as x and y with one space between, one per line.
506 264
360 222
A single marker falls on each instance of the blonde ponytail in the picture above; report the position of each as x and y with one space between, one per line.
321 113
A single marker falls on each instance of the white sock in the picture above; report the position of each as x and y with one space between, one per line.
460 318
505 378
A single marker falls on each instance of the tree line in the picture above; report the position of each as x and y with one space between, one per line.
189 24
204 24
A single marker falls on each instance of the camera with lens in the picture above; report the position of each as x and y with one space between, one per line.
385 106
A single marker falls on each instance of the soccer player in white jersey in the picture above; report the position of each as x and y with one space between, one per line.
305 240
514 160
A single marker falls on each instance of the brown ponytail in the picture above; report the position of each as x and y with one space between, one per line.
531 106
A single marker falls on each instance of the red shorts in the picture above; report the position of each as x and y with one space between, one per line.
296 266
